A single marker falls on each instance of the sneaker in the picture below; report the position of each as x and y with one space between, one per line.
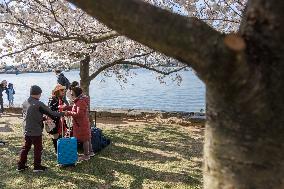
92 154
40 169
84 158
22 168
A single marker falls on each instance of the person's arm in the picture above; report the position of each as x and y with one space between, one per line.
67 108
79 111
47 111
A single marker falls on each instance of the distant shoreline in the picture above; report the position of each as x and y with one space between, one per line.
143 91
134 113
15 72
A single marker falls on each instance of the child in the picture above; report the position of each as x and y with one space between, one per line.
33 111
10 94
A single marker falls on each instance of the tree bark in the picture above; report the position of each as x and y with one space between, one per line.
85 80
245 123
245 106
84 75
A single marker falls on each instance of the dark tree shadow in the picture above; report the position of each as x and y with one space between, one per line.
116 156
5 128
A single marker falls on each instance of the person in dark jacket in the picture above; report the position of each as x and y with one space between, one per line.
33 111
54 103
62 80
3 87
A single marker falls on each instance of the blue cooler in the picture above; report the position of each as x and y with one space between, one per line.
67 151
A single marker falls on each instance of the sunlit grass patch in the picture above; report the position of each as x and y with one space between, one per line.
140 156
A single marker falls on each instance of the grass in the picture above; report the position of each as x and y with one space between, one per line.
141 156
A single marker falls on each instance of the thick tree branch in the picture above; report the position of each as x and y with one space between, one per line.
127 62
188 40
151 68
221 19
97 38
103 37
76 37
31 47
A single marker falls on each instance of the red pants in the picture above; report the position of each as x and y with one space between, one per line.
29 141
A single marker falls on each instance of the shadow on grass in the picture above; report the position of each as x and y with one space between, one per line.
165 138
4 128
105 169
18 115
157 142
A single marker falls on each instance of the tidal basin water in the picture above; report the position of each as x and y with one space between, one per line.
142 91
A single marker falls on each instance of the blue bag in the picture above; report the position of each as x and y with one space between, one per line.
99 141
67 151
96 139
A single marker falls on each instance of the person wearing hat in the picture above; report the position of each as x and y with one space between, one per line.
54 103
62 80
33 111
3 87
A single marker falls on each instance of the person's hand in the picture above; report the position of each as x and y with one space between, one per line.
66 113
44 118
62 107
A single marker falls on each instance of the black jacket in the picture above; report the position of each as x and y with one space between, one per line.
2 88
53 105
62 80
33 111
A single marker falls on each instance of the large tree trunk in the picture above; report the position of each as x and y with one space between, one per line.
84 74
245 117
85 80
244 137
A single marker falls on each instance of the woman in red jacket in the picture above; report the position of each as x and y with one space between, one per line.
81 123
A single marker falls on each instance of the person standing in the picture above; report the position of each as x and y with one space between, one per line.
3 87
33 111
81 122
70 98
10 94
62 80
54 103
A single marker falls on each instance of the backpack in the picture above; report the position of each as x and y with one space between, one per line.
99 141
